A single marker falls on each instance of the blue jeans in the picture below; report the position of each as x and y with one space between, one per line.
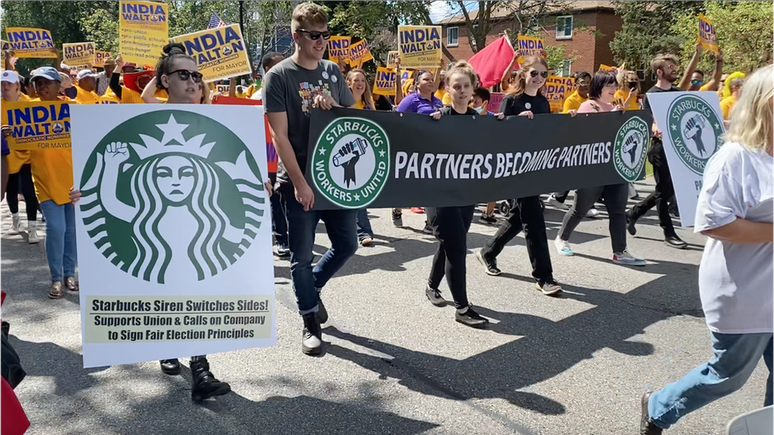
279 225
60 239
363 225
340 225
735 357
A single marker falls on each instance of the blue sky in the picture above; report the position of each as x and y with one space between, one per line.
443 9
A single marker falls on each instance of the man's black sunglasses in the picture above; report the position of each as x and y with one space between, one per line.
315 35
543 74
184 75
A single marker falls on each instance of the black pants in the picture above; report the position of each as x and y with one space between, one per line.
528 215
664 191
23 177
616 196
450 226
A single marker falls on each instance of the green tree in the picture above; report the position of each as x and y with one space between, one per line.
101 27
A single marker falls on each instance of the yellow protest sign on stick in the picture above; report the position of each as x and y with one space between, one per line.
223 89
99 58
27 42
707 36
219 53
144 31
419 46
79 53
385 81
530 46
338 48
359 53
37 125
392 57
556 91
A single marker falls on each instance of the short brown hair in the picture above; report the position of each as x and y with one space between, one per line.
308 14
658 63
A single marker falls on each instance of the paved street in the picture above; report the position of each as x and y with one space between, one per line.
574 364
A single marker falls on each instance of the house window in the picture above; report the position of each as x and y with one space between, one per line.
452 36
564 27
566 68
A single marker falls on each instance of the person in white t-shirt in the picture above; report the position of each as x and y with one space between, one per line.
735 210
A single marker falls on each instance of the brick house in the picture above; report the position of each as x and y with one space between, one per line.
585 28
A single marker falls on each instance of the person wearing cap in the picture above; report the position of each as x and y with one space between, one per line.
52 170
19 170
86 87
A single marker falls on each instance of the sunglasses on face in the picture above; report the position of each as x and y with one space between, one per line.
543 74
697 82
184 75
315 35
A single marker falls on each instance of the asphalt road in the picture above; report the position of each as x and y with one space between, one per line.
574 364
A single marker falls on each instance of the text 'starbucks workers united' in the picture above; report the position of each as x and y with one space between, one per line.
170 195
631 148
695 131
351 162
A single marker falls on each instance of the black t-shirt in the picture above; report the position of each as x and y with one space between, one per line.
513 105
448 110
646 104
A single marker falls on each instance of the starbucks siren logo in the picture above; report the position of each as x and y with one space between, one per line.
171 195
631 147
695 130
351 162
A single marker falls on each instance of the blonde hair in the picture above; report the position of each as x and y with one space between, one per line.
464 68
520 83
752 116
367 98
308 14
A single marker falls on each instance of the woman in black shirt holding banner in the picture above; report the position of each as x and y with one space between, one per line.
525 99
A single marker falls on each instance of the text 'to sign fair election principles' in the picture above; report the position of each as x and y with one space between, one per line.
144 31
174 231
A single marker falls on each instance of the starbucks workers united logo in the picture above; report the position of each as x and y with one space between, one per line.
695 130
171 195
351 162
631 147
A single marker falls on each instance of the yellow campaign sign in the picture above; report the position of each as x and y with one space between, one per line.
144 31
529 46
707 36
27 42
79 53
556 90
4 47
37 125
385 81
392 57
419 46
219 53
359 53
338 48
99 58
223 89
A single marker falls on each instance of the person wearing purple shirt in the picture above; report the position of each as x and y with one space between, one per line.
422 102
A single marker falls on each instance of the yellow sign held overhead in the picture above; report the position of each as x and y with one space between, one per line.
528 46
144 31
419 46
27 42
385 81
219 52
707 36
338 48
79 53
359 53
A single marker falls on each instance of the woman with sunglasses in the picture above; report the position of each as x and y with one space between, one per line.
602 99
524 99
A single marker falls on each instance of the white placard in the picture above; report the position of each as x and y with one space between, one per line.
692 130
173 230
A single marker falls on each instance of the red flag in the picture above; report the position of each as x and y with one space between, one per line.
490 63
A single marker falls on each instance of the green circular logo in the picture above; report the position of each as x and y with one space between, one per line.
171 195
351 162
631 148
695 130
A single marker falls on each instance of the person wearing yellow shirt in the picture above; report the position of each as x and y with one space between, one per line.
728 103
581 94
358 85
135 81
86 87
19 169
52 170
628 89
441 92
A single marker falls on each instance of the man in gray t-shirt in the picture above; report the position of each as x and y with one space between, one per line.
291 89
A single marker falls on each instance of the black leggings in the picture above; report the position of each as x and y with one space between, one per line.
450 226
23 177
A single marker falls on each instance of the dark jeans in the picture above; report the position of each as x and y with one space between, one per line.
450 226
364 229
528 215
279 224
616 197
664 190
340 226
22 179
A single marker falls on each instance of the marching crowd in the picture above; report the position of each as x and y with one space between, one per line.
734 208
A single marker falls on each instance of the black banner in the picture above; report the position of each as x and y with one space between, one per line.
360 158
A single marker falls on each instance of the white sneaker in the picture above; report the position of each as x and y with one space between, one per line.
552 201
562 246
15 224
32 235
592 213
549 288
627 259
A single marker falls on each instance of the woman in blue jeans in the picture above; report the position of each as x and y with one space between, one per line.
736 271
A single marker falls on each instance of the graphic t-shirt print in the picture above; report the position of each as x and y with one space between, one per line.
309 91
